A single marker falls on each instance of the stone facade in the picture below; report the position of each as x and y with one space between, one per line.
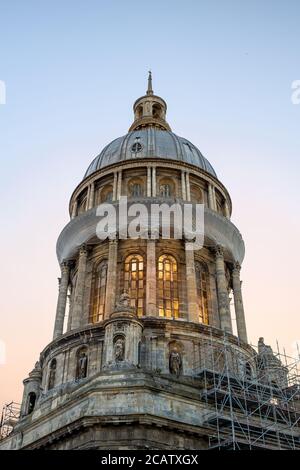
145 317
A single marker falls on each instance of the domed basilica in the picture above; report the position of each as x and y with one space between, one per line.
150 347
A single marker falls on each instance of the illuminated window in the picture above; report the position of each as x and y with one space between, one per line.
202 292
98 293
134 282
168 301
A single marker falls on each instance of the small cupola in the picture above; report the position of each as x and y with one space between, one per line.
150 111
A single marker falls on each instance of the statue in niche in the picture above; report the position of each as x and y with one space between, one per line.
119 349
82 365
52 374
175 363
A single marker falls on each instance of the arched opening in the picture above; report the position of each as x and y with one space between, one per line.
98 292
81 363
82 201
106 194
134 282
31 402
157 111
135 188
168 300
119 348
202 291
166 188
196 194
248 371
139 112
52 374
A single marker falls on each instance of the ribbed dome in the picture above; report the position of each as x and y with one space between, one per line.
150 143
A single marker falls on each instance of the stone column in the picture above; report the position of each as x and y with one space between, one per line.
74 209
211 204
151 279
191 286
115 186
119 188
183 186
154 181
214 198
110 296
62 300
91 196
188 189
223 298
226 210
87 198
79 289
148 181
238 304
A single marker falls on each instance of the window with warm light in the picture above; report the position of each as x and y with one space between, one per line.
168 300
202 291
134 282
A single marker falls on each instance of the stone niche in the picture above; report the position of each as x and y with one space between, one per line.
122 341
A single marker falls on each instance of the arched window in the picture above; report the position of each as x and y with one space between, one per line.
248 371
134 282
98 293
136 190
165 190
202 291
168 301
166 187
52 374
106 194
31 402
81 204
156 111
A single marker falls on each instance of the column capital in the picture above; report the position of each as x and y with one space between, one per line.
219 251
236 268
83 250
65 266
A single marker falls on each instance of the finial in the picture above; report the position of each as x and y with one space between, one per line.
149 91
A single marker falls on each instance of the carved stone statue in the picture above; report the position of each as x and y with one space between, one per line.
51 380
119 349
82 365
263 348
124 300
175 363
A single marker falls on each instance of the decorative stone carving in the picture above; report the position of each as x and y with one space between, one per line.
119 349
82 365
124 301
175 363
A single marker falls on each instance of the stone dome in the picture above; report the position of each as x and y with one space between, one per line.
150 142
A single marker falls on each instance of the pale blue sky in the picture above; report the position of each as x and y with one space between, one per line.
73 70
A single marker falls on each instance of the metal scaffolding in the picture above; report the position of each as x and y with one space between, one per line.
248 410
9 418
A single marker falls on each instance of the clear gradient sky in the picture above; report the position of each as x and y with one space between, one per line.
73 70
